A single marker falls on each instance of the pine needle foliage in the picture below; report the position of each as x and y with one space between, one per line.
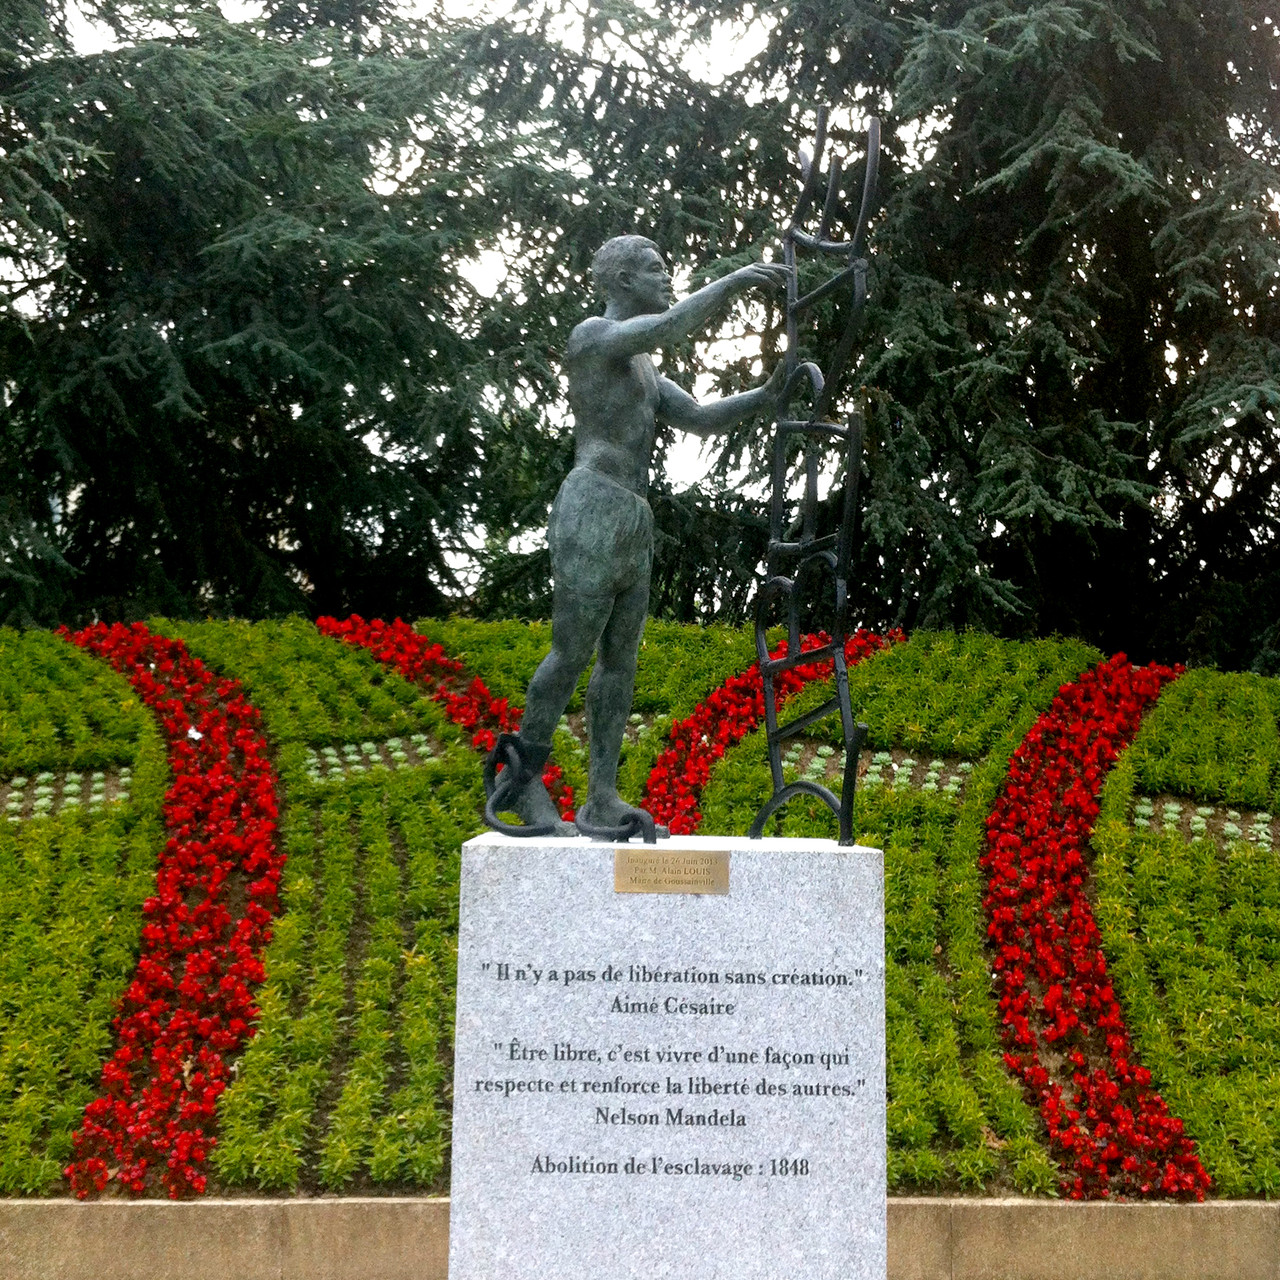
257 378
1073 346
241 369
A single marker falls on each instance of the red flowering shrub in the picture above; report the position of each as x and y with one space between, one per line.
1062 1024
725 718
419 660
190 1005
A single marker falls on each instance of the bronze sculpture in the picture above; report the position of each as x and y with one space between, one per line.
601 529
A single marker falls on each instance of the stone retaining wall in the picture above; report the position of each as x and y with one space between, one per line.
406 1238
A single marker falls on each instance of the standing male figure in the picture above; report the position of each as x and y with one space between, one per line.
601 529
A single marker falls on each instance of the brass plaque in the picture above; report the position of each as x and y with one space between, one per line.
644 869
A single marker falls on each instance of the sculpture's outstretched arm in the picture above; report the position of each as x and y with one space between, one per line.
677 407
619 339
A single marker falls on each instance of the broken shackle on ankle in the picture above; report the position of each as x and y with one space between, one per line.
638 823
521 763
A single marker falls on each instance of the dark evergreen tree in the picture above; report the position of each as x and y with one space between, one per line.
1095 312
242 369
1073 352
1074 345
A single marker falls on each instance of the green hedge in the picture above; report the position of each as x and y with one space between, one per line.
346 1085
62 709
1214 736
308 687
956 693
71 893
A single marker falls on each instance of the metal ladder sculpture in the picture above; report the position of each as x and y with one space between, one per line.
806 553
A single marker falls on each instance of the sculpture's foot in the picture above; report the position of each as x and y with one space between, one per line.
535 808
519 789
608 817
606 810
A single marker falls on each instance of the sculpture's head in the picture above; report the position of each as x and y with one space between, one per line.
630 273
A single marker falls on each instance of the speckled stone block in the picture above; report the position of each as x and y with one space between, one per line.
669 1085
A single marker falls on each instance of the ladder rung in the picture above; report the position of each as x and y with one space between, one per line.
798 659
836 430
812 544
801 723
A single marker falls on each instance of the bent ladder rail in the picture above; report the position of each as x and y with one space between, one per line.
796 554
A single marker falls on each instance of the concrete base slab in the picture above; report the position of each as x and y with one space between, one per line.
406 1238
920 1239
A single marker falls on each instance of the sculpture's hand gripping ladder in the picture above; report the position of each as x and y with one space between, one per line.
807 552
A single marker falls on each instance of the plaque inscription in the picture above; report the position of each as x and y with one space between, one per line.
648 870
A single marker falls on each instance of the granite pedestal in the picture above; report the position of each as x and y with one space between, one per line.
669 1063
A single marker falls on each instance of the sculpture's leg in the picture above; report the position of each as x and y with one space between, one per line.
609 702
576 623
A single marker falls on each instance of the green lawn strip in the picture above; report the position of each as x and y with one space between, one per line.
678 664
503 654
956 1117
309 687
345 842
953 693
681 664
1192 934
936 1120
349 1134
412 1136
62 709
71 893
1214 736
266 1117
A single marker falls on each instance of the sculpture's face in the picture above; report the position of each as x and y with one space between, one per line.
647 283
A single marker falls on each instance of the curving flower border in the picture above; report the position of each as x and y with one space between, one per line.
1062 1024
189 1007
423 662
